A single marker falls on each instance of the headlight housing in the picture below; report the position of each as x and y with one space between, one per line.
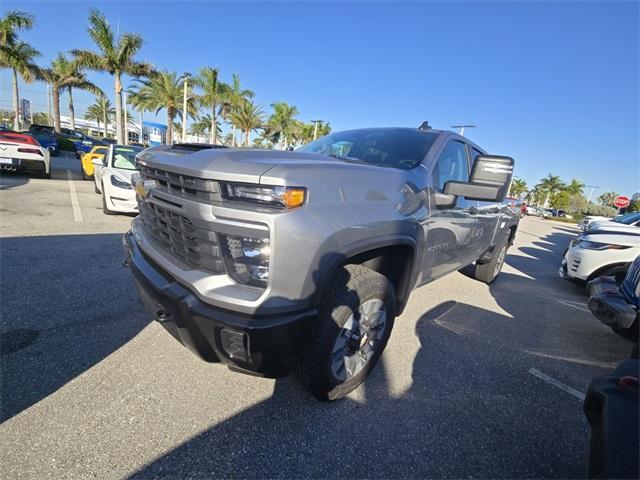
247 259
589 245
116 182
278 196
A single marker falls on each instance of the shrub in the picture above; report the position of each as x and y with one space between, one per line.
599 210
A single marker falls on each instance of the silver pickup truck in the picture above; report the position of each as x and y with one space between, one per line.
269 261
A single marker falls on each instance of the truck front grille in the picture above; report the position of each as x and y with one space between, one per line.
196 246
184 185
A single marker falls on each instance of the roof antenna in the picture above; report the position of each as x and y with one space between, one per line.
424 126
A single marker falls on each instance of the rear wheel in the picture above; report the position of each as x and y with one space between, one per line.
488 272
350 333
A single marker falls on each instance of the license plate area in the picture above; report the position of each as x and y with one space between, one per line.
6 161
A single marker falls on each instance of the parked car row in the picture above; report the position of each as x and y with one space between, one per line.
605 248
111 168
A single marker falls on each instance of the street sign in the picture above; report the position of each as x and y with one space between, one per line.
622 201
26 110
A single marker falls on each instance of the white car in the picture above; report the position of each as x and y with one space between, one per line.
112 176
586 221
628 220
19 152
602 253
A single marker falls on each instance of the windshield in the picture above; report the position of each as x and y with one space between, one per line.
125 157
386 147
628 219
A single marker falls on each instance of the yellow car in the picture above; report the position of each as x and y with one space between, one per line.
87 159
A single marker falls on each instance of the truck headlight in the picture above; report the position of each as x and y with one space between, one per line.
600 246
116 182
247 259
287 197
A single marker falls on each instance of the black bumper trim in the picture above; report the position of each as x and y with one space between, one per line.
276 343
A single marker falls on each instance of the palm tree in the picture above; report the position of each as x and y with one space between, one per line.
282 125
203 124
64 74
164 91
108 112
116 56
550 185
18 57
247 117
576 187
518 187
140 103
10 24
94 114
607 198
236 96
214 94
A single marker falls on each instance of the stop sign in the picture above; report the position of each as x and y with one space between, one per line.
622 201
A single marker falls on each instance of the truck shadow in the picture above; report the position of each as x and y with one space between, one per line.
48 335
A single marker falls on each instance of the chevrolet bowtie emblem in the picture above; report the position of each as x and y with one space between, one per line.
143 187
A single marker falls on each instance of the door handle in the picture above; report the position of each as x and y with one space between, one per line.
473 211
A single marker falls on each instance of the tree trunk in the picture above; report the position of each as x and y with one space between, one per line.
16 102
55 90
118 92
98 122
213 134
105 122
248 134
233 135
72 112
141 122
169 137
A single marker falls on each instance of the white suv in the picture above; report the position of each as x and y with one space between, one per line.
112 176
601 253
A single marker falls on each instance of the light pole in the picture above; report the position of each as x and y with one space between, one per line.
462 127
592 187
315 128
185 77
125 124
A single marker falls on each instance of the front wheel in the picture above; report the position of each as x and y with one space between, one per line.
350 333
488 272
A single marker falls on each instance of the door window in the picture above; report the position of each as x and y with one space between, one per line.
452 165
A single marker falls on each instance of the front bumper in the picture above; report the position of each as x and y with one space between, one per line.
609 305
269 346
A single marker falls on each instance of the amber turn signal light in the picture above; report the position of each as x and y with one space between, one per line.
294 197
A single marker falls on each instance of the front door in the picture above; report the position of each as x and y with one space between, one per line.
450 232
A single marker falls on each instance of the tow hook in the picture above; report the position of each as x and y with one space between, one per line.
162 316
125 263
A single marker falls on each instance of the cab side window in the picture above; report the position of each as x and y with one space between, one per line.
451 165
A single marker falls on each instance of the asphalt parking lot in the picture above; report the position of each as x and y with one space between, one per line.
477 381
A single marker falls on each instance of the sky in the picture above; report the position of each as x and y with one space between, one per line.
552 84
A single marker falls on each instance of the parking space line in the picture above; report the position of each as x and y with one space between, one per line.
577 305
557 383
75 205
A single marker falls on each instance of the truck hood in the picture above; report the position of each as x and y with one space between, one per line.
237 165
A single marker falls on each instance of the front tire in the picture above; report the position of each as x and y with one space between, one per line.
488 272
352 329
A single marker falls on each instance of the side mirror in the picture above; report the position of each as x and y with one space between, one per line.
489 180
289 149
